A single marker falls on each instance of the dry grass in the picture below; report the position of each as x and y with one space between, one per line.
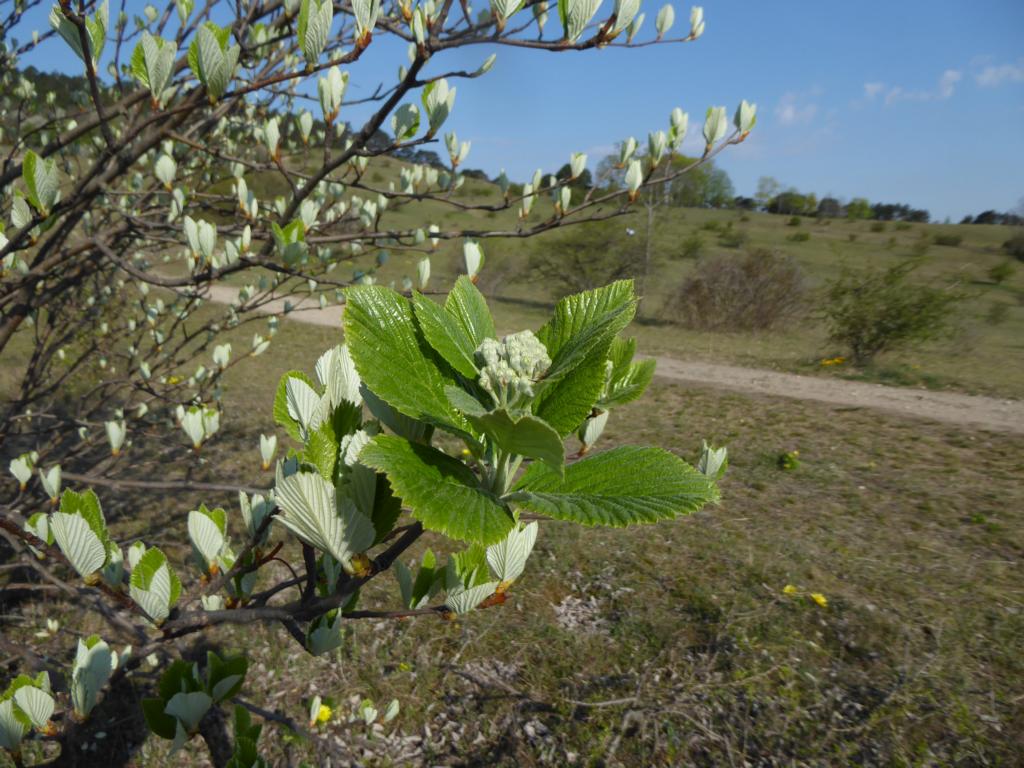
678 639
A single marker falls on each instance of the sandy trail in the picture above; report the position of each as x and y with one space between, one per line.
950 407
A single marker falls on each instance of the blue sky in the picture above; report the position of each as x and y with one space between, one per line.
910 101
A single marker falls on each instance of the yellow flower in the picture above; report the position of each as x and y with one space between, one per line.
789 589
324 713
820 599
465 452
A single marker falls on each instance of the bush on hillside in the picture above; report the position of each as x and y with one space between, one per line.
1001 272
730 237
880 310
799 237
585 257
794 221
948 239
1015 246
751 292
691 246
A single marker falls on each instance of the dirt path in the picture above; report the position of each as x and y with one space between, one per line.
950 407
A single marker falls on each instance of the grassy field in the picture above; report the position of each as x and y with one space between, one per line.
678 644
675 644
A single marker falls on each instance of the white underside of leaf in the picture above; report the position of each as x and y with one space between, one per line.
309 510
36 703
78 542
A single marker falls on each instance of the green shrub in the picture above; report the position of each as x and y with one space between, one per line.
744 217
902 225
799 237
1001 272
880 310
794 221
878 226
755 291
691 246
1015 246
711 226
948 239
852 237
730 237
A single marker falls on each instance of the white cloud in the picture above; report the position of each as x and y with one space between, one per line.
895 93
948 82
871 90
997 74
792 110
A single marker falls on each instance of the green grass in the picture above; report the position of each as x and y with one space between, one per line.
910 529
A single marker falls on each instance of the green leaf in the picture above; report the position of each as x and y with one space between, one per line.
618 487
523 435
429 579
189 708
41 181
442 492
163 725
628 380
322 451
399 423
578 338
444 333
179 676
469 307
584 325
464 401
383 341
224 677
566 404
386 509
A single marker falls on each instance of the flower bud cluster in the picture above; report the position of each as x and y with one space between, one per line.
510 367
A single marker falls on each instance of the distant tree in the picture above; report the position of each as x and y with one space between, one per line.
810 204
829 207
718 188
788 203
995 217
767 188
858 208
744 203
